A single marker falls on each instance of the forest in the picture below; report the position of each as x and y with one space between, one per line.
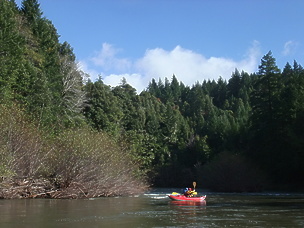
66 136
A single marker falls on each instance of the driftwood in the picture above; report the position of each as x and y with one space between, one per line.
16 188
12 188
27 188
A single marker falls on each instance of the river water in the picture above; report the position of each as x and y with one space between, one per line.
155 209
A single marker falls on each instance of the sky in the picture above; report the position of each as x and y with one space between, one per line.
193 39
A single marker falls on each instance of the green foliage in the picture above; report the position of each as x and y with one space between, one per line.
273 114
11 49
265 96
103 110
37 71
168 128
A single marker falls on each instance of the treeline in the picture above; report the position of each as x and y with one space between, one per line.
241 135
244 134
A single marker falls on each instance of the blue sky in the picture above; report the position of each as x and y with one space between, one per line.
193 39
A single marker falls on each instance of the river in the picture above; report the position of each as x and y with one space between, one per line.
154 209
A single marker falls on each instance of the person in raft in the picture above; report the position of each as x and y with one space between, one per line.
189 192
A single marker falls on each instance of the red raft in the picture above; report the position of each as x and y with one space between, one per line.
185 198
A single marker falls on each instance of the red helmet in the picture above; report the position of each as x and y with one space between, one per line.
190 189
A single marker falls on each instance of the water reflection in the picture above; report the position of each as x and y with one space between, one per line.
189 203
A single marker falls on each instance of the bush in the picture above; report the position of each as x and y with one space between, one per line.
23 149
74 164
90 163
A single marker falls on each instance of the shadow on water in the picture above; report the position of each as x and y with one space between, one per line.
257 200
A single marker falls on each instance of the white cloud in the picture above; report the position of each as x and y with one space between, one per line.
188 66
251 60
107 58
133 79
290 48
83 65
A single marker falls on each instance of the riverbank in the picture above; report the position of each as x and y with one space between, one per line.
29 188
12 188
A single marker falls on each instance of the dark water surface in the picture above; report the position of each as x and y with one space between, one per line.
154 209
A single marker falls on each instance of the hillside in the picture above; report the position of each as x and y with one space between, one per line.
244 134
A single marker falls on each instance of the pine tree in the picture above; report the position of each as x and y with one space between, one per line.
154 89
32 12
128 99
234 84
266 93
103 110
267 146
11 52
291 120
175 89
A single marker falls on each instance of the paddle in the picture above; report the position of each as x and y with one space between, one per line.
194 185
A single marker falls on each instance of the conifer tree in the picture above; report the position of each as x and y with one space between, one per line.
11 52
32 12
266 94
103 110
267 145
234 84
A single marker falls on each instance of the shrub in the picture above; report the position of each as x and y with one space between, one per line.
22 147
73 164
91 163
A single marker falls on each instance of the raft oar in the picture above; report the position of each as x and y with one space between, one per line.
194 185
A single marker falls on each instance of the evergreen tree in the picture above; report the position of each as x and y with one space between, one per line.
32 12
103 110
267 146
234 84
11 52
291 121
152 114
154 89
218 93
175 89
266 95
128 99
